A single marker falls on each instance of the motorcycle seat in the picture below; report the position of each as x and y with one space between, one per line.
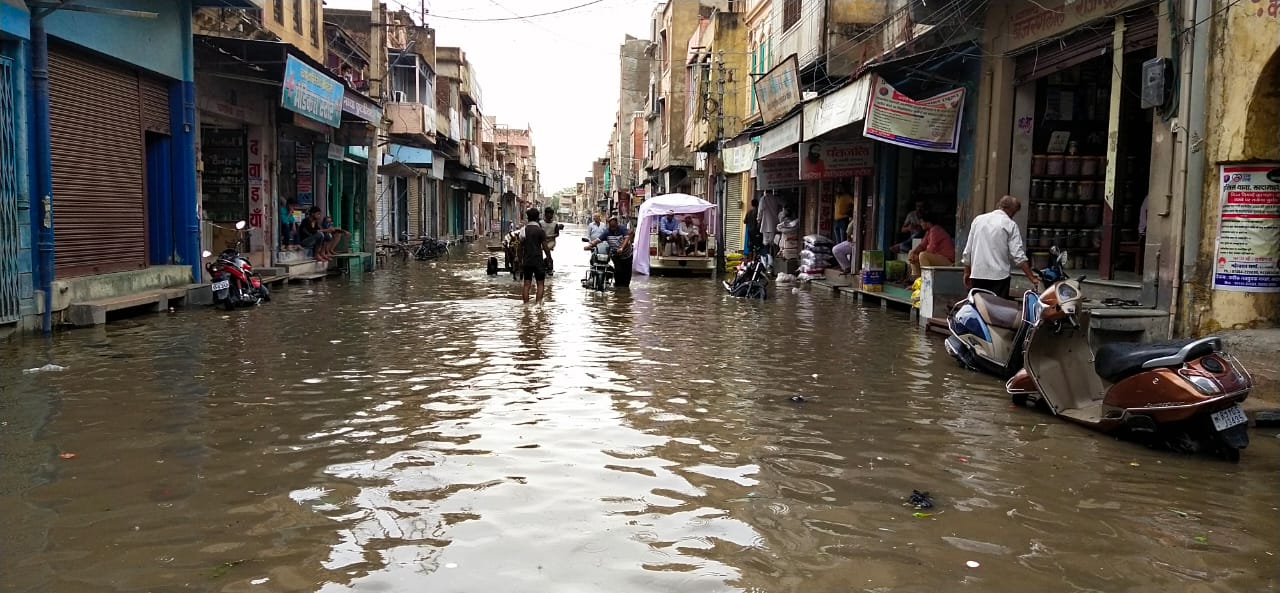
998 312
1118 360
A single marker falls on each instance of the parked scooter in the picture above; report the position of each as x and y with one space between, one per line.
234 283
751 281
1185 394
600 273
988 332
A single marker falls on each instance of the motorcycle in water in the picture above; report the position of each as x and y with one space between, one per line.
1184 394
600 273
988 332
751 281
233 281
430 249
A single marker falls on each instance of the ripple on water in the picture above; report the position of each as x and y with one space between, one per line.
641 440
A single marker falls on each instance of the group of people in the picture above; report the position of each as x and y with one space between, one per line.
994 246
314 230
685 235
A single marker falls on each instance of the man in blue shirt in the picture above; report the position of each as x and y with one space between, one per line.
597 228
668 231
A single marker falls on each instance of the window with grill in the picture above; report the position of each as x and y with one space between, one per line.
297 16
277 10
315 22
790 13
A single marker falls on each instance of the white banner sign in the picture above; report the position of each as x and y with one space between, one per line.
834 160
782 136
841 108
1247 257
738 159
777 174
931 124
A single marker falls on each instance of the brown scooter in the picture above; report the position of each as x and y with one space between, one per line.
1184 393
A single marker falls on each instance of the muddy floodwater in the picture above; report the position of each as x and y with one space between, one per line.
422 430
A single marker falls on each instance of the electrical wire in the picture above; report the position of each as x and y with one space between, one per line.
516 17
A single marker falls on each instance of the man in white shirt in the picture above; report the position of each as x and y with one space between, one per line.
994 246
689 234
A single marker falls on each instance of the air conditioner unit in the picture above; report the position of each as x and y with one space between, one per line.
397 96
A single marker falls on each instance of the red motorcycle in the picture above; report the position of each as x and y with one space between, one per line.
234 283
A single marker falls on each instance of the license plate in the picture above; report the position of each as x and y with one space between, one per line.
221 285
1229 417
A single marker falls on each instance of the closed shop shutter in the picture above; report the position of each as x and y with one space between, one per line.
1141 32
733 213
1054 57
98 183
155 105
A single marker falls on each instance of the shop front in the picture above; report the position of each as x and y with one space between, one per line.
1084 149
110 135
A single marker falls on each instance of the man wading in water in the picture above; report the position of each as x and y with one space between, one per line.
532 266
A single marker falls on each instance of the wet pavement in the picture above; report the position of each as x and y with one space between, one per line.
420 429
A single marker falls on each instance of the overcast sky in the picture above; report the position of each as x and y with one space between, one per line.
557 73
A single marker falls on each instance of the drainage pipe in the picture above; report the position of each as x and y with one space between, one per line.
1199 28
43 168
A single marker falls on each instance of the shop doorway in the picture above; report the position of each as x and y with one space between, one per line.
161 224
1063 122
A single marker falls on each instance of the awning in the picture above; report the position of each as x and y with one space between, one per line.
398 169
844 107
782 136
411 155
476 183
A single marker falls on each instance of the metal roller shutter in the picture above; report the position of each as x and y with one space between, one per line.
1141 31
733 213
155 105
98 183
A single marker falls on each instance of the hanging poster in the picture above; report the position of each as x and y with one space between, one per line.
930 124
1247 257
305 177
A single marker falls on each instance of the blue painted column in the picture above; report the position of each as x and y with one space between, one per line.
182 110
42 166
886 196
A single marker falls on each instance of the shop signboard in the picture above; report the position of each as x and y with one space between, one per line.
777 174
844 107
778 91
361 107
311 93
835 160
1247 255
931 124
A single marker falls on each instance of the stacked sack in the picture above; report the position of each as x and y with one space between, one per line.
816 257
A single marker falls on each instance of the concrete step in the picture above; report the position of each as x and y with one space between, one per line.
265 271
307 278
91 313
309 266
290 257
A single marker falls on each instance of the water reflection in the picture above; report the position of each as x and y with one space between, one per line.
424 429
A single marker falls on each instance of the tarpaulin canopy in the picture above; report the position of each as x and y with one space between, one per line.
661 205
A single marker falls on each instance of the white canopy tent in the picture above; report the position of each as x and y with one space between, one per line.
658 206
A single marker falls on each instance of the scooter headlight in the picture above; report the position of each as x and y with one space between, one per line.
1203 384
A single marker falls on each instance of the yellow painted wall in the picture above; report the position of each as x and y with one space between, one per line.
1243 125
312 12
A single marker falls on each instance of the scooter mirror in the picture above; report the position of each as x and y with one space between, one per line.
206 253
240 225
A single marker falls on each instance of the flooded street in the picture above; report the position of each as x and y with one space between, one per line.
420 429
